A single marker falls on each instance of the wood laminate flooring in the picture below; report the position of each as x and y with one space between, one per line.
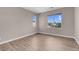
41 42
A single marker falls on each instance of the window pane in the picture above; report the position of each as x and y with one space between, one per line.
55 20
34 20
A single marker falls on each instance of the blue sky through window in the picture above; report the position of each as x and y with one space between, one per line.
54 18
34 18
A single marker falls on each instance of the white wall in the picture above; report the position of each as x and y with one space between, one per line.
67 27
14 23
77 24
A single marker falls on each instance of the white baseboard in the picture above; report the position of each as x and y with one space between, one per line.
76 40
17 38
57 35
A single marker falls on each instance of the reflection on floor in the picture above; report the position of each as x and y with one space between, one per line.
41 42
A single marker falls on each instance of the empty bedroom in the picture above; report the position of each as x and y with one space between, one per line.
39 29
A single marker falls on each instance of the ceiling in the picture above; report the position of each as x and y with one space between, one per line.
41 9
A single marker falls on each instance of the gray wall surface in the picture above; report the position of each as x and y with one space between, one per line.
77 24
67 27
15 22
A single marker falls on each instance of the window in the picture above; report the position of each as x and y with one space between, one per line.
55 20
34 20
